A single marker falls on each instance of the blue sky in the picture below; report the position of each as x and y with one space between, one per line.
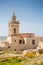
28 12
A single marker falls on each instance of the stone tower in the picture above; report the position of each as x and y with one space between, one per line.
13 33
13 26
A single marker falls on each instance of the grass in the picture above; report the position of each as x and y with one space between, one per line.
19 61
12 61
28 59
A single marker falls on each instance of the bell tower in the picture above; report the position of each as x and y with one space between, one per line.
13 26
13 33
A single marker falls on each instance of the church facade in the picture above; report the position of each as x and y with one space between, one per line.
16 41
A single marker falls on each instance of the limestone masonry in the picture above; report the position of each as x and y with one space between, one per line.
16 41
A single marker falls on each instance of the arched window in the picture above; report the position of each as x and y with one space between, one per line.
14 30
15 40
20 41
33 42
23 41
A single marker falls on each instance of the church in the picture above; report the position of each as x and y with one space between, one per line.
16 41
